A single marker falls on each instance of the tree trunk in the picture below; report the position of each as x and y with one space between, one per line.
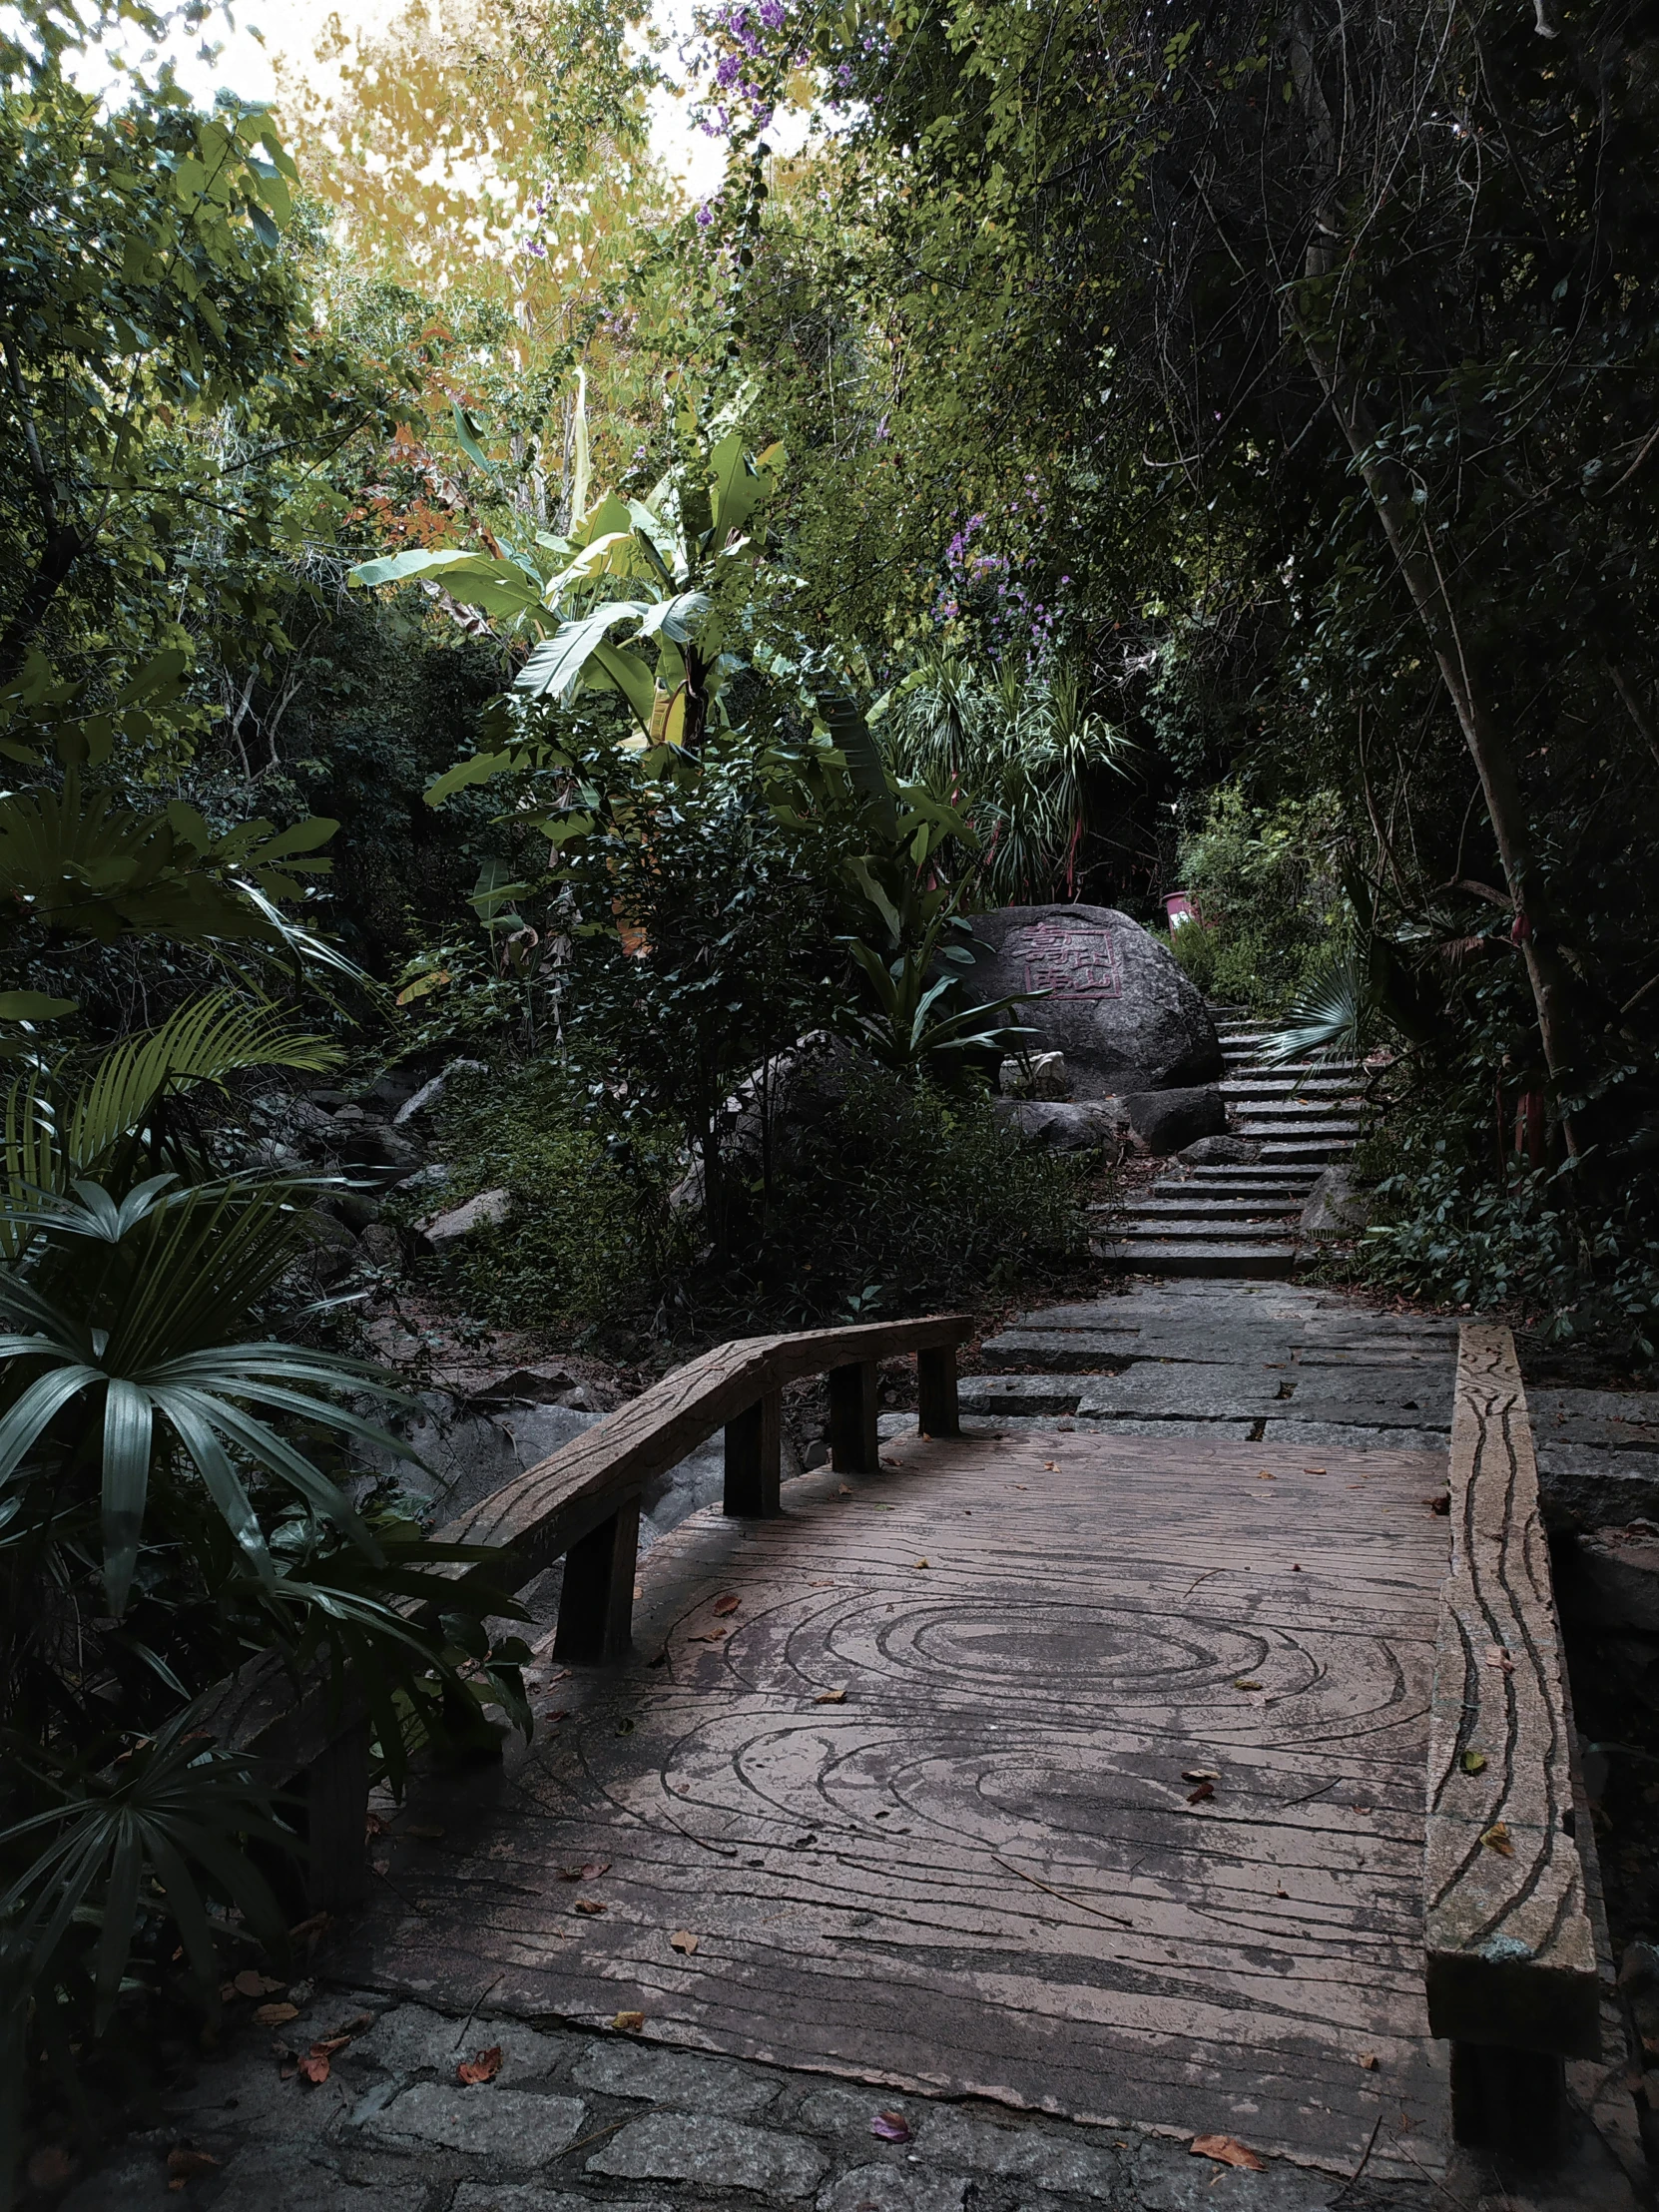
1405 526
58 556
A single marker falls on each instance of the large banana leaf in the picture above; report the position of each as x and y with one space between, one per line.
557 666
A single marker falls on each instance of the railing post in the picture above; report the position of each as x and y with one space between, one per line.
337 1822
854 1444
937 1414
596 1604
754 1443
1513 2102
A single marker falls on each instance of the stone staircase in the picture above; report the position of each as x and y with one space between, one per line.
1243 1218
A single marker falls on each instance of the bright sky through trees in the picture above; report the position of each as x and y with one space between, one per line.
255 39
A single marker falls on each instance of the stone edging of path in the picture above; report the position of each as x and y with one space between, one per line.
576 2119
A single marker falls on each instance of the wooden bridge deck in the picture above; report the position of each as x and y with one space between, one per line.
1082 1772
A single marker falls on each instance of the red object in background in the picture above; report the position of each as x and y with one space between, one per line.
1179 908
1530 1133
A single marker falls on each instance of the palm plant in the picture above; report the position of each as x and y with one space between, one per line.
1339 1015
163 1514
1017 749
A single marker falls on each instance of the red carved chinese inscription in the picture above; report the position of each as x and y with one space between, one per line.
1064 961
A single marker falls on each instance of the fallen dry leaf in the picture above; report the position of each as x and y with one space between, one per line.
921 1562
1474 1762
845 1491
555 1714
590 1905
1264 1476
274 2015
1441 1505
1496 1838
890 2128
630 2023
1228 2151
354 2026
1244 1683
50 2168
326 2045
1499 1657
425 1829
710 1636
831 1697
472 2072
683 1941
184 2164
1051 1466
251 1984
1199 1773
1313 1470
313 2068
728 1604
1368 2059
373 1824
1198 1796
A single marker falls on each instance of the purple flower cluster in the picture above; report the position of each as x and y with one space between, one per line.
1012 617
741 34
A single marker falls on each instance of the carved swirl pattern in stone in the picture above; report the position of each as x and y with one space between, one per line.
1510 1951
1081 1772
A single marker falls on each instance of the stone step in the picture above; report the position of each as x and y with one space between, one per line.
1206 1206
1271 1197
1214 1227
1296 1120
1317 1088
1243 1181
1311 1152
1176 1258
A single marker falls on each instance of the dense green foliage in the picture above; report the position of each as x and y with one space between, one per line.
892 1198
1130 451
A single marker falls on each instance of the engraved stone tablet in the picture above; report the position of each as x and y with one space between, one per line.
1112 998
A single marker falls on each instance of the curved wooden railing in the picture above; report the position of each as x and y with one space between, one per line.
583 1505
1510 1952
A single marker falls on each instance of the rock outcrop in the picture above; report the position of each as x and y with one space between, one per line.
1118 1006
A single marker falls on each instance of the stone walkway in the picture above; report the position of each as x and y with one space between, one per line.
588 2107
575 2120
1242 1215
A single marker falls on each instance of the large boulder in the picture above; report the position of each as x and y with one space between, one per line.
1164 1121
1084 1125
1118 1006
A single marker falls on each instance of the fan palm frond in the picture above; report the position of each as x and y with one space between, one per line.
1342 1014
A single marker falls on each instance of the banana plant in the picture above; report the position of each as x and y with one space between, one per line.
684 556
916 1024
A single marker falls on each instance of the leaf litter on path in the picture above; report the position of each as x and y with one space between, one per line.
1227 2150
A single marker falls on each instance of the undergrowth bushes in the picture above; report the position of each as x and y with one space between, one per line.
898 1197
1267 898
1532 1246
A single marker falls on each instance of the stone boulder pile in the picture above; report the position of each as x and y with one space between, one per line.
374 1140
1118 1041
